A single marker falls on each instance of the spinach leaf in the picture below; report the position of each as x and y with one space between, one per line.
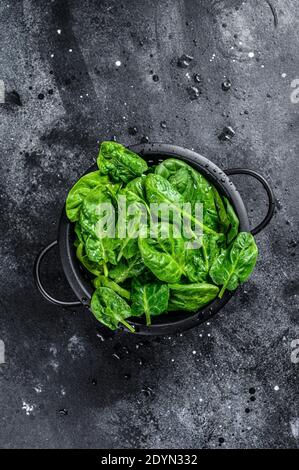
233 221
181 177
199 260
211 247
102 250
135 190
89 265
228 219
193 186
129 230
102 281
78 232
164 257
110 309
124 270
80 190
119 163
222 215
99 247
191 297
235 264
149 299
159 190
133 198
195 265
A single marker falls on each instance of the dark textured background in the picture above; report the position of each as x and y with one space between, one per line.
65 383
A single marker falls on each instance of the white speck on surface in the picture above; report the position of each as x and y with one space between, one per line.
101 337
294 423
200 399
52 55
54 365
117 63
70 50
28 408
63 392
251 54
283 75
193 352
276 388
172 360
58 31
76 347
38 388
53 350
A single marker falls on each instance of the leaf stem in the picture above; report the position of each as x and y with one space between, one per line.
127 325
106 272
220 295
148 318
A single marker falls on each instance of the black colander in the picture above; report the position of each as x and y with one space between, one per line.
173 322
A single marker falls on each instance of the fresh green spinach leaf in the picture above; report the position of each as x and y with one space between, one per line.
195 265
193 186
235 264
103 281
84 260
164 257
149 299
159 190
99 246
110 309
221 210
120 163
126 269
191 297
233 221
79 192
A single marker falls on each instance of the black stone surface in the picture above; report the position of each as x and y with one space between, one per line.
66 382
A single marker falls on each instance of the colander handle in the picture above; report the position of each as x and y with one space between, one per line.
267 187
36 274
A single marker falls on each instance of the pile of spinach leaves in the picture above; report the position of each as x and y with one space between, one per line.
149 275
